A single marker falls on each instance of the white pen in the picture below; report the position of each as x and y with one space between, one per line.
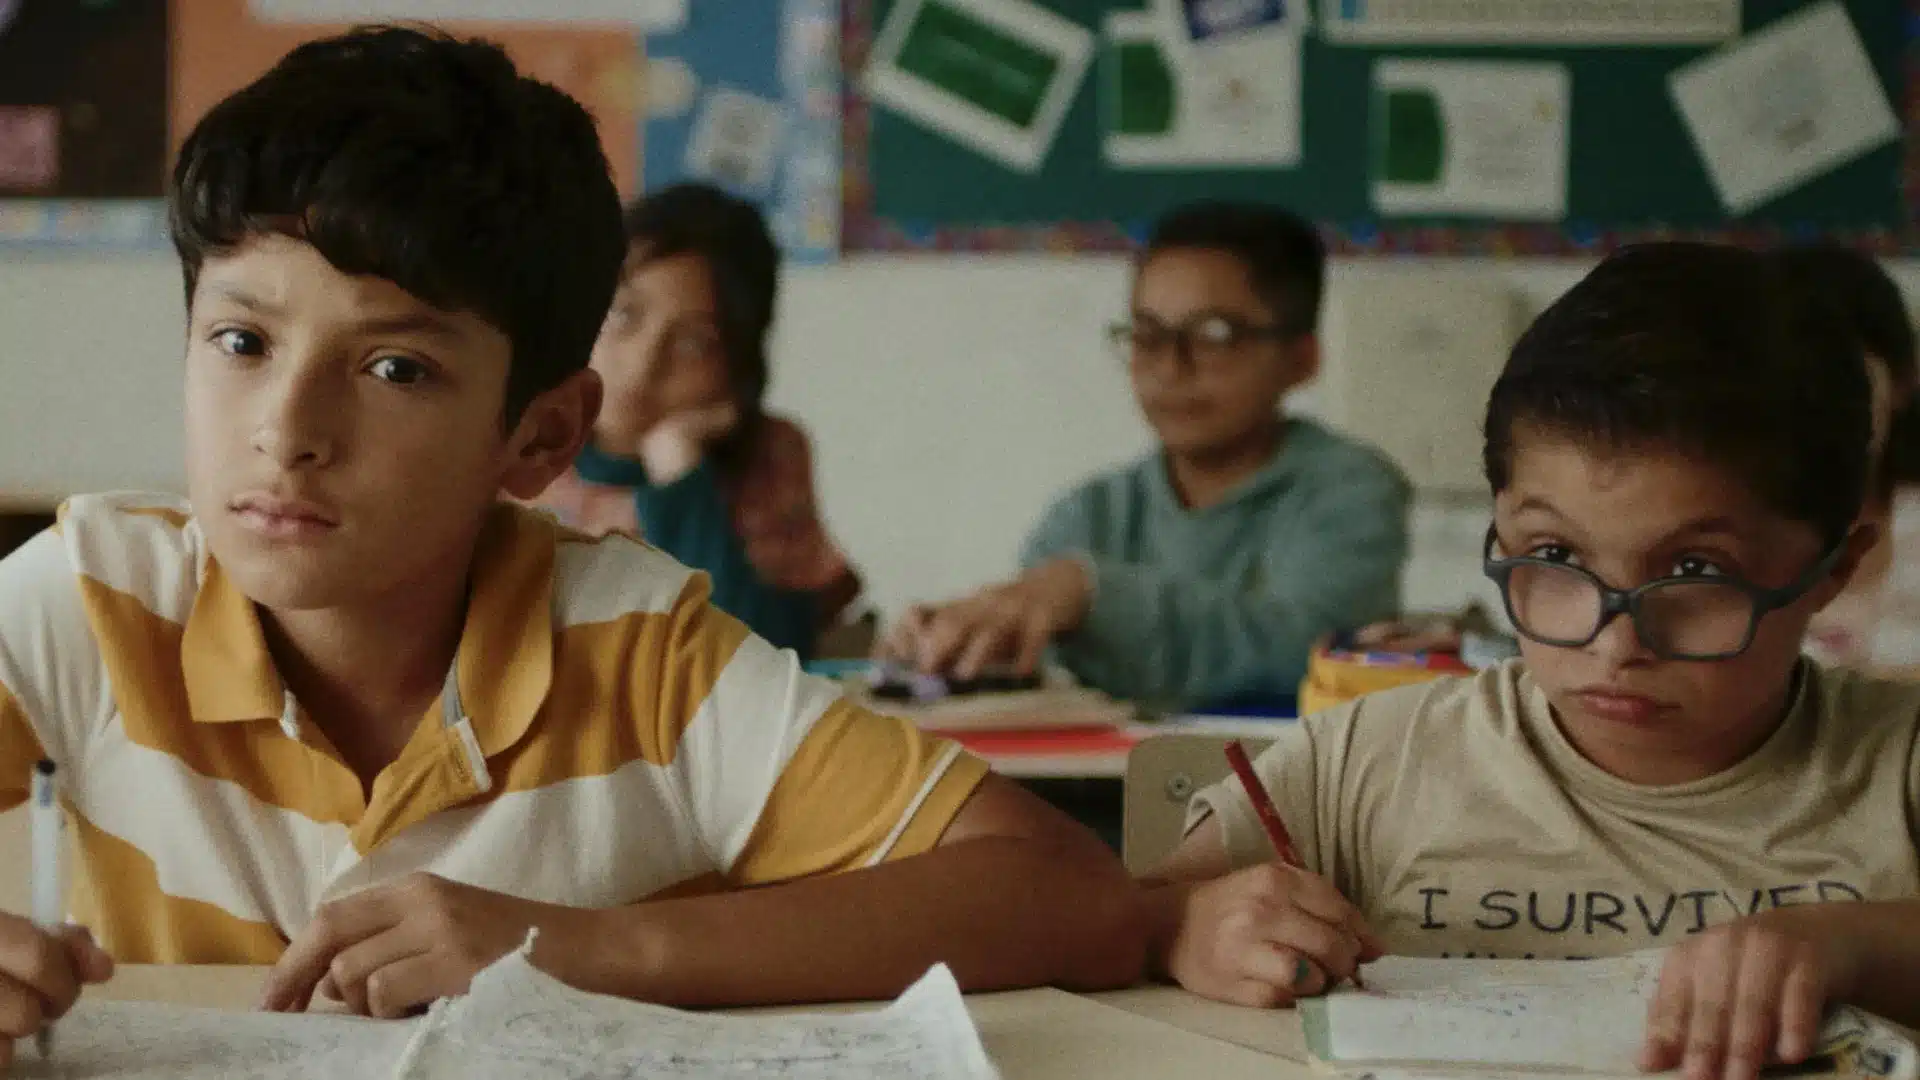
47 901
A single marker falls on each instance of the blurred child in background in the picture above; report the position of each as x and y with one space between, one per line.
683 452
1874 623
1202 573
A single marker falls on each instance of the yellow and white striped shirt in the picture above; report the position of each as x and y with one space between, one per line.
635 741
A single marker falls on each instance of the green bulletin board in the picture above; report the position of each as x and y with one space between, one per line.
1633 169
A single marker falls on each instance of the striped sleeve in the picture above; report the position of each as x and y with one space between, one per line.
46 654
782 777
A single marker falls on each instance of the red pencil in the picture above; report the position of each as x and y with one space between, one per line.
1269 816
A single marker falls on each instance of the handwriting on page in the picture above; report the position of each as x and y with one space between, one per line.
137 1041
520 1023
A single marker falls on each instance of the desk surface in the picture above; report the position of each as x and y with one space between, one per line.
1151 1033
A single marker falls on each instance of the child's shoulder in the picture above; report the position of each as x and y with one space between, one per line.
605 570
1857 709
1415 718
136 542
1323 453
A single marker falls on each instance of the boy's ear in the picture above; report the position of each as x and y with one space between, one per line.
1853 551
550 434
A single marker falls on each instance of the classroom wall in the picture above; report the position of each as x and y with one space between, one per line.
949 397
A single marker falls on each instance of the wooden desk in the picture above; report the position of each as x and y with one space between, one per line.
1152 1033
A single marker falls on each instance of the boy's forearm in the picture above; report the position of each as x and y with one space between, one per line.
1049 918
1888 934
1163 905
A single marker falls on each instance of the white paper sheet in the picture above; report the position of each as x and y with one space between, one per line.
517 1022
1793 101
1502 149
1533 22
1236 100
655 15
115 1040
898 77
520 1024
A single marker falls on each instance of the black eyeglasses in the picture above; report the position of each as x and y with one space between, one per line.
1676 618
1205 343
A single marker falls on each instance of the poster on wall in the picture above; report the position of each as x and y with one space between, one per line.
746 96
83 120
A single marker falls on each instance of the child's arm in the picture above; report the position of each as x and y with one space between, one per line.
1171 633
1014 894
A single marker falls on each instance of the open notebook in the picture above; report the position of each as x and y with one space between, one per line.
1534 1015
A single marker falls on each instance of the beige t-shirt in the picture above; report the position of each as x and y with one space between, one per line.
1461 821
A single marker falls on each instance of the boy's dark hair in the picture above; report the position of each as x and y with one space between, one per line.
731 237
1865 296
1283 255
1708 351
430 162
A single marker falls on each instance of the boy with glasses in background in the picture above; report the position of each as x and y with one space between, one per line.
1678 456
1203 573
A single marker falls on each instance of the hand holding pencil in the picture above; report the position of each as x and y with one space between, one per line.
43 967
1271 934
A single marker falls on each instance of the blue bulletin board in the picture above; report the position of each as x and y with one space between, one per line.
1632 168
747 96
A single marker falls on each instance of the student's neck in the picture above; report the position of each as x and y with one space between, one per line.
366 674
1201 480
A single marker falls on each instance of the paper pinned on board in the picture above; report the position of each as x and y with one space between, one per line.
1530 22
736 141
1471 138
996 76
655 15
1795 100
1234 103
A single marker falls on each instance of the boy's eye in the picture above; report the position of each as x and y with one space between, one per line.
1694 566
240 343
399 370
1557 553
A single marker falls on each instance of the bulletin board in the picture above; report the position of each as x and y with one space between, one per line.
746 96
1633 170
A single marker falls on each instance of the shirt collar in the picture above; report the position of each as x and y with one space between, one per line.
505 661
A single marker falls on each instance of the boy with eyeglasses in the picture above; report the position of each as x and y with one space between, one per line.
1677 451
1204 572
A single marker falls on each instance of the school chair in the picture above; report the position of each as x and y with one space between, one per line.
1163 772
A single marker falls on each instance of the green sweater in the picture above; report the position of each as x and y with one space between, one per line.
1192 608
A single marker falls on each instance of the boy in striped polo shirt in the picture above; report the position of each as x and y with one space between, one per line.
344 713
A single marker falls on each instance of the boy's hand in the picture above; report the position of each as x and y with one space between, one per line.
1267 936
671 448
41 976
1752 992
389 950
1007 623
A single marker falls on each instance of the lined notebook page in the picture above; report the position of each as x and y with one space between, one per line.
1589 1015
